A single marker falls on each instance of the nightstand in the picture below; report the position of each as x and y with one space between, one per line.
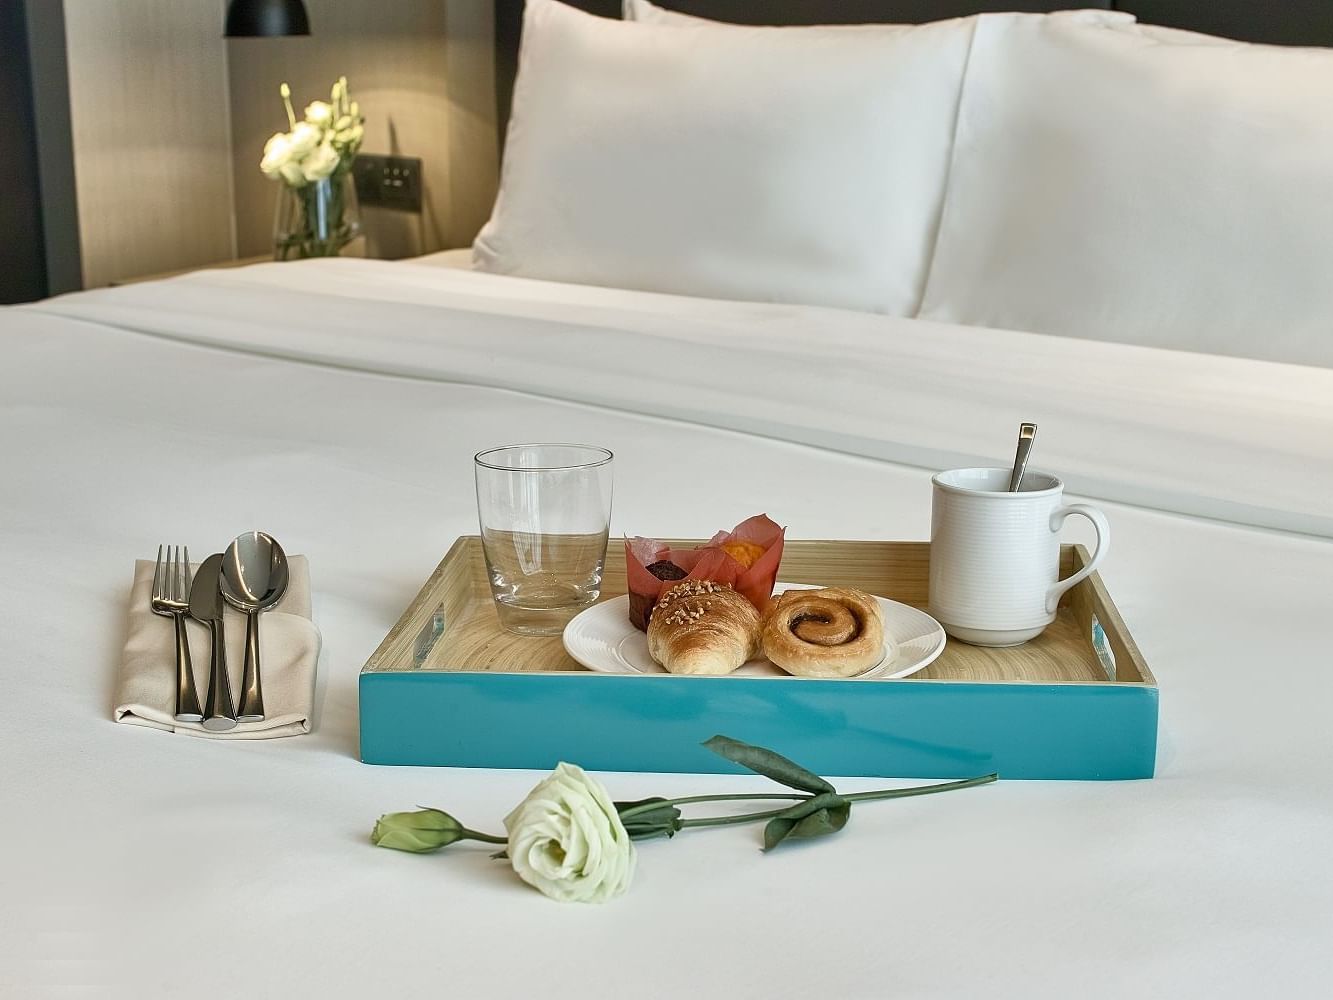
238 262
357 248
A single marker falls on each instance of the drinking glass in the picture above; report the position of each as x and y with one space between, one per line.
544 511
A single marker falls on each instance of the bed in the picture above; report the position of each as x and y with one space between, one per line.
337 404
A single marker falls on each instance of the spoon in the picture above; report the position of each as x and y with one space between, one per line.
1026 434
254 578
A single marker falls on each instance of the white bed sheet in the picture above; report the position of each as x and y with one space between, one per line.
1152 427
132 860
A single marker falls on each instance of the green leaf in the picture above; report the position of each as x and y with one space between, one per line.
815 817
624 807
769 764
650 833
644 823
823 821
776 830
646 831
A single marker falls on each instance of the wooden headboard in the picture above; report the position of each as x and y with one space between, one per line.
1287 22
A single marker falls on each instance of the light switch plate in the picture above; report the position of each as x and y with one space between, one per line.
388 181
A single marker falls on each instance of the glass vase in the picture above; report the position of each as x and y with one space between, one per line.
317 219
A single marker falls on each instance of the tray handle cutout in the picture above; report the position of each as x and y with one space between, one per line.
1102 647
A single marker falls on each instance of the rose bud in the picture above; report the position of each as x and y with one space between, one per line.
420 831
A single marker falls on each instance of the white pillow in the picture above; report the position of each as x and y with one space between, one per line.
1143 185
788 166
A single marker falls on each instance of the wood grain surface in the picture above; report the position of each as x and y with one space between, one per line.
152 141
451 625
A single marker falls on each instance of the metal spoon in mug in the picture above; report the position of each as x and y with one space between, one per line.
1026 434
254 578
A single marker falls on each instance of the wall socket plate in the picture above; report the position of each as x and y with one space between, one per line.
388 181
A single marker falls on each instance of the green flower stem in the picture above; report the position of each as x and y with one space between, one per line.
903 793
648 807
485 838
883 793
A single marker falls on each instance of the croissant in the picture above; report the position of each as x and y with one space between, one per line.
835 632
701 627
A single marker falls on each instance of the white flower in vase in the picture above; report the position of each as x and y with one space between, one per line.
319 113
321 162
317 213
277 151
304 138
279 162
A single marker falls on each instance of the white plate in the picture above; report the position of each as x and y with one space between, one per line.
602 639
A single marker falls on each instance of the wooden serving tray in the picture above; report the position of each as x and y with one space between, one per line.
449 686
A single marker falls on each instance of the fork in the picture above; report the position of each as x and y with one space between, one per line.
171 597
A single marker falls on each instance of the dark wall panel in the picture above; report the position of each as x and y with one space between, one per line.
55 144
1284 22
1281 22
22 253
852 11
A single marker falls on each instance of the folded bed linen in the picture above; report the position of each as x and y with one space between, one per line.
1220 437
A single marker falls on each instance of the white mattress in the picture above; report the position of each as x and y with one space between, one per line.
337 405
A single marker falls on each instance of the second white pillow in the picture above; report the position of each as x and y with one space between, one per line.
1144 185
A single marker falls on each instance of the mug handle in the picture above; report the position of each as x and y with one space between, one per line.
1098 520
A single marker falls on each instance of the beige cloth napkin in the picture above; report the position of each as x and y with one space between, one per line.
289 650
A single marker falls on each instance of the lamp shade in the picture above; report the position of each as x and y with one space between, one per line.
266 18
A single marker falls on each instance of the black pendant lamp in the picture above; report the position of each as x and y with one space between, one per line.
266 18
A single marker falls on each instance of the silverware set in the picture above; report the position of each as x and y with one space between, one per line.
252 577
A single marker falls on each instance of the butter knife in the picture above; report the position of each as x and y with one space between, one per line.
206 606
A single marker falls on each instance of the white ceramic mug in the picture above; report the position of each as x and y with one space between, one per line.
995 555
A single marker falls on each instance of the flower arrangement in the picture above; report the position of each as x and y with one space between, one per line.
571 842
313 160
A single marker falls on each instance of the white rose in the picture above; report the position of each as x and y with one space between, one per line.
319 113
277 151
303 138
566 839
291 173
320 163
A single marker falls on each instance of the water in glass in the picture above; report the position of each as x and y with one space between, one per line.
544 513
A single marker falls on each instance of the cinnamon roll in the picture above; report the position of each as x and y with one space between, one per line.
836 632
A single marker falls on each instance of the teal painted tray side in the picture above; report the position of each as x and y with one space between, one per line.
926 729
